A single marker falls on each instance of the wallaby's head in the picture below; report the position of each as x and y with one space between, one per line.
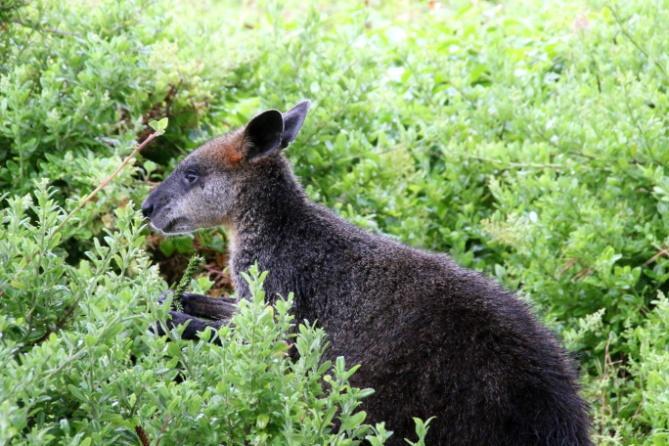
204 188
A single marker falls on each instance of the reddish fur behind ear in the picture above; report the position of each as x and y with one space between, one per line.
227 150
232 152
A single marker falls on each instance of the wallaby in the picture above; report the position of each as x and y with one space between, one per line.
433 338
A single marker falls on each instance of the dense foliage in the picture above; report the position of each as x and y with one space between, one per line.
107 378
529 139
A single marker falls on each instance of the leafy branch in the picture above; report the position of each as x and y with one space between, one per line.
159 128
626 33
193 263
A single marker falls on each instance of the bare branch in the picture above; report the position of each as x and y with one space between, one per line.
107 180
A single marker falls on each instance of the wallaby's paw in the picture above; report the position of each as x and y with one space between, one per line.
174 319
164 296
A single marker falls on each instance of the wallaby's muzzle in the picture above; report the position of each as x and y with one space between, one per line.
157 208
147 208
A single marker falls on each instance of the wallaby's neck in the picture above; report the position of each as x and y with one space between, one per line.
269 206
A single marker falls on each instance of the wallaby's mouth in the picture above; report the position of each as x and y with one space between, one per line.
179 225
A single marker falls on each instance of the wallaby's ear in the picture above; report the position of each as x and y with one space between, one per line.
263 134
293 120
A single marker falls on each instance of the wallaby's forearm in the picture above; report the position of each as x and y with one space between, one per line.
194 326
208 307
200 312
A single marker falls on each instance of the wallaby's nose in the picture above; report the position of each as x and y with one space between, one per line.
147 209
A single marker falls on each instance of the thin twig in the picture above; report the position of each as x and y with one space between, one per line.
143 437
107 180
635 120
627 34
59 324
163 428
514 165
54 31
662 252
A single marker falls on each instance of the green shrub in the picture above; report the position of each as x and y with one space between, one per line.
78 85
82 366
528 139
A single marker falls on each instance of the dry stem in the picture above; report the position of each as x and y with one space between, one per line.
107 180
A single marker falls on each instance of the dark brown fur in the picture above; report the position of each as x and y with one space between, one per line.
433 338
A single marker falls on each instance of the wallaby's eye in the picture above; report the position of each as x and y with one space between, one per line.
191 177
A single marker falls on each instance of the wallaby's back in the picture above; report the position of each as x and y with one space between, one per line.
433 339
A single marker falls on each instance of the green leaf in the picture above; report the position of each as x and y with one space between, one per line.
159 126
